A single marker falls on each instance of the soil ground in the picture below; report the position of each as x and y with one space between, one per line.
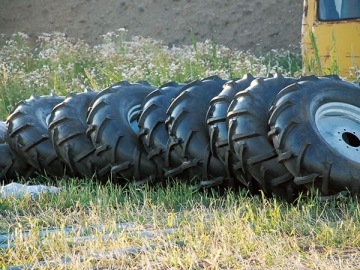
257 26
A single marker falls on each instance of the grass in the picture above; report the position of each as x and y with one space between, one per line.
231 230
228 231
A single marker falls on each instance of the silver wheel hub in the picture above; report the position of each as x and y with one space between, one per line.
339 125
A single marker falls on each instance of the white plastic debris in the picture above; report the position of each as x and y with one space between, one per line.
19 190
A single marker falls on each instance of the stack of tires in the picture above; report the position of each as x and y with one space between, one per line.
276 134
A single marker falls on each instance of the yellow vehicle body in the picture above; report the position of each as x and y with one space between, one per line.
331 37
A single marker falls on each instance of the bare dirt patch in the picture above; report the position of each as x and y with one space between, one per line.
258 26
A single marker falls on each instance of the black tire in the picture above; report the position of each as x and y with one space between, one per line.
218 131
153 133
315 128
248 129
188 132
3 131
28 134
12 167
113 131
67 130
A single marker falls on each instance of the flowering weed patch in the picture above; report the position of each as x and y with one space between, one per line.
62 65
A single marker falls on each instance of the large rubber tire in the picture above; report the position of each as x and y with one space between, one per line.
218 131
28 134
315 128
153 133
3 131
188 132
248 129
67 130
113 130
11 167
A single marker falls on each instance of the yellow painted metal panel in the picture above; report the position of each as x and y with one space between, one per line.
334 44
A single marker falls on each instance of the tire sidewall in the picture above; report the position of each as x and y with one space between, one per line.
321 157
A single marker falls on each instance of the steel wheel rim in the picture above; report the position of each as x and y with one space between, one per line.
339 125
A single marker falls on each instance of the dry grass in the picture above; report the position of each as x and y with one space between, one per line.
211 230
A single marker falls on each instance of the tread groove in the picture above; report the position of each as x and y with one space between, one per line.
262 158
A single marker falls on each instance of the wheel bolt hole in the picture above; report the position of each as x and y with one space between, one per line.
351 139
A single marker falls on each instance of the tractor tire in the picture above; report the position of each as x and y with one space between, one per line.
67 130
153 133
28 134
315 128
248 128
3 131
114 131
11 167
187 128
217 128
